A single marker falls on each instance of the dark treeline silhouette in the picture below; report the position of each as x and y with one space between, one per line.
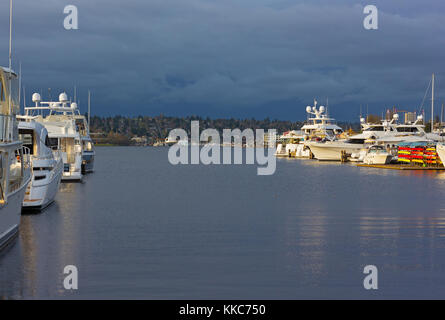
129 130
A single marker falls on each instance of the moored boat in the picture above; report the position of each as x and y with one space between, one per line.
46 164
15 172
317 127
62 132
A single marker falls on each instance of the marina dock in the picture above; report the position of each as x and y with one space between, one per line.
400 167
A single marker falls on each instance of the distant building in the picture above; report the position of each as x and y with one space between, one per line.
410 117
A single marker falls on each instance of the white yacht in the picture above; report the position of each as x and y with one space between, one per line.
15 172
377 154
289 145
387 133
318 127
63 134
170 141
47 165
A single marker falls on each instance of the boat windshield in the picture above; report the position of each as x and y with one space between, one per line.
4 89
356 141
375 149
407 129
375 128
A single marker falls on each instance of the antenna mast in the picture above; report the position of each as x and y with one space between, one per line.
432 104
441 117
327 106
10 55
20 85
89 109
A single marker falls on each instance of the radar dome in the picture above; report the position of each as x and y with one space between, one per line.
419 117
396 116
36 97
73 105
322 109
362 120
308 109
63 97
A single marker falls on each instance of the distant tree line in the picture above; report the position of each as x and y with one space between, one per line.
120 130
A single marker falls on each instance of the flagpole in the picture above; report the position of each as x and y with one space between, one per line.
10 55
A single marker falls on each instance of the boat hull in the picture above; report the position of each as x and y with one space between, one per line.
332 151
72 176
377 159
88 162
72 170
440 149
291 151
41 193
10 213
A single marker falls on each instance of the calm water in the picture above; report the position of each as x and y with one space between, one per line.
141 228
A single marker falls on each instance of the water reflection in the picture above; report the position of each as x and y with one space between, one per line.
30 253
178 232
306 246
68 230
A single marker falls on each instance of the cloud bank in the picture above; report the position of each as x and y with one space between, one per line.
230 58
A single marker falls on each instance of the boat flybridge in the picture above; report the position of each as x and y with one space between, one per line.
59 120
47 164
320 126
316 128
15 172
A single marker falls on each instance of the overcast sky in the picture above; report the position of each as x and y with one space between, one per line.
230 58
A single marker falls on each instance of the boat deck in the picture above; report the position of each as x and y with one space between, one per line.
400 167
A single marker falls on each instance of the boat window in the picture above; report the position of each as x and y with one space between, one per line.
15 90
80 125
54 143
356 141
47 142
87 145
407 129
2 91
27 137
376 128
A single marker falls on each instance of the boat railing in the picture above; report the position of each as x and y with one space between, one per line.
26 152
57 155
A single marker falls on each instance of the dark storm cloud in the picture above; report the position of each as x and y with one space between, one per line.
250 58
